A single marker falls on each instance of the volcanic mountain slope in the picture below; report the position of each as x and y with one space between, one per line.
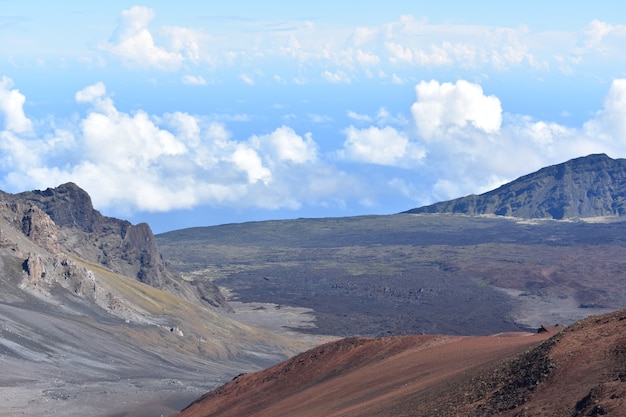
589 186
125 248
578 371
77 338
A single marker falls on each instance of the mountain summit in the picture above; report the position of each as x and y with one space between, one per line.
589 186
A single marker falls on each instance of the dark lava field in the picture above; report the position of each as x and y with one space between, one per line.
412 274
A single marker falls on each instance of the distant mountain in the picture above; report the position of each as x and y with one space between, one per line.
589 186
578 371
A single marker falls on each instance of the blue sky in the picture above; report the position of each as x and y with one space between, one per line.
197 113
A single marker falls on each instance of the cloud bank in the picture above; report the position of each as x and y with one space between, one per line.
147 162
311 51
458 141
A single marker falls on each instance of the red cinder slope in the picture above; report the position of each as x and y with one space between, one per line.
361 377
575 371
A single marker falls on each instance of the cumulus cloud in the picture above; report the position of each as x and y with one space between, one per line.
12 108
472 147
134 44
460 142
381 146
284 145
247 159
91 93
128 142
141 162
443 107
610 122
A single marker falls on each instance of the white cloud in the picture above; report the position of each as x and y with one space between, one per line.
399 53
319 118
96 96
194 80
383 118
247 79
461 142
443 107
601 37
366 58
127 142
185 41
336 77
140 162
134 44
91 93
364 35
359 117
397 47
284 145
186 128
609 124
472 152
249 161
381 146
395 79
12 108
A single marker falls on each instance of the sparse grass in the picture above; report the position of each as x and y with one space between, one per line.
206 333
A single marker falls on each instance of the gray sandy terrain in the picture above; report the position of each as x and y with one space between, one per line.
58 363
60 355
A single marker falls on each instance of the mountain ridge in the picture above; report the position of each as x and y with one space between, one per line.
589 186
127 249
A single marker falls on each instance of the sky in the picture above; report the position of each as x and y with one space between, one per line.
191 113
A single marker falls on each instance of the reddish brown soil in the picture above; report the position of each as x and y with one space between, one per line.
358 376
589 377
579 371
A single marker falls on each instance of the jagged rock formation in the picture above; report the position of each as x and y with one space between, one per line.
122 247
46 267
589 186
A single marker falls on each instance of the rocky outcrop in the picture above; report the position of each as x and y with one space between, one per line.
38 227
63 218
69 206
590 186
34 267
44 274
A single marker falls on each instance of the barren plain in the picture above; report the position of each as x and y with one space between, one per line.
413 274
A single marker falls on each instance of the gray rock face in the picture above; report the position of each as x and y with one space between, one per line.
65 216
589 186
